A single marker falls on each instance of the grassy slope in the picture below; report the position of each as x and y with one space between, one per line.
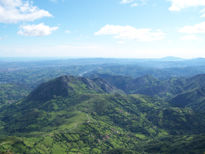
93 123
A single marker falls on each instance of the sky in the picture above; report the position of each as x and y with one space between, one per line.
102 28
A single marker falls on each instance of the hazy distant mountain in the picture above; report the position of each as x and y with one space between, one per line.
171 58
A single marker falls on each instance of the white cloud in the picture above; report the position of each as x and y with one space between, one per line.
126 1
189 37
13 11
194 29
177 5
134 3
36 30
131 33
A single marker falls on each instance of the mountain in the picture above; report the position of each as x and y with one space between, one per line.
194 99
193 94
79 115
25 75
121 82
195 82
180 92
146 85
171 58
65 86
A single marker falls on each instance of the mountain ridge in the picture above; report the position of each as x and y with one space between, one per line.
69 85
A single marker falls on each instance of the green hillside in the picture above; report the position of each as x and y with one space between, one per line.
78 115
147 85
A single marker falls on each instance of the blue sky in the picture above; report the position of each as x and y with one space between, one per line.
102 28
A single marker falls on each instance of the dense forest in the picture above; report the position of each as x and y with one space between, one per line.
113 106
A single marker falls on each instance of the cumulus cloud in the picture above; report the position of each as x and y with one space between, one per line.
194 29
131 33
13 11
36 30
177 5
192 32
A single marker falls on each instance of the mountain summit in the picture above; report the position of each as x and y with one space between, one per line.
65 86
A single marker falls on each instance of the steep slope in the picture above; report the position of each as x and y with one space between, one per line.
193 94
195 82
147 85
194 99
180 92
65 86
121 82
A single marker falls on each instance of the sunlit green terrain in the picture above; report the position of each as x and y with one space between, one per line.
101 112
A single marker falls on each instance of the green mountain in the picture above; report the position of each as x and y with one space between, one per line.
194 99
195 82
79 115
180 92
147 85
193 95
18 77
67 86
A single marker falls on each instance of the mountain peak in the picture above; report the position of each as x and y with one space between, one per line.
65 86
